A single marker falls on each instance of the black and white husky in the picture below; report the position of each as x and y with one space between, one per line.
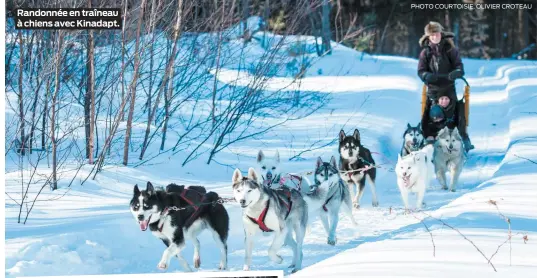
264 209
181 213
412 139
328 195
356 164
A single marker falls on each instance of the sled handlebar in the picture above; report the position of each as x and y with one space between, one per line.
446 76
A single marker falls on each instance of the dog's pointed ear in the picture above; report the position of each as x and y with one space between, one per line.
419 126
136 190
399 157
277 156
356 134
252 174
237 176
341 135
456 132
333 162
441 132
319 162
260 156
150 190
408 126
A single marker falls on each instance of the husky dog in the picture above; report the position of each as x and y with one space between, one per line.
269 169
449 156
414 173
271 175
413 139
353 157
266 210
328 195
155 209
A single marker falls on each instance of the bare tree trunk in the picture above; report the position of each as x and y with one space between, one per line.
21 101
151 61
168 76
521 31
167 100
326 28
123 56
381 44
245 15
133 85
34 105
89 118
45 111
53 111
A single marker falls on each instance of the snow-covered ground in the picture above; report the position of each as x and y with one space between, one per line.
88 229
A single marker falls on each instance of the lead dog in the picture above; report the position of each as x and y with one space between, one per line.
272 211
414 173
449 156
154 209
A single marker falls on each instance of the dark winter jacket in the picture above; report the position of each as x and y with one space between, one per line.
431 128
440 60
453 117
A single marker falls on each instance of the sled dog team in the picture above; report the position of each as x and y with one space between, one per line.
272 204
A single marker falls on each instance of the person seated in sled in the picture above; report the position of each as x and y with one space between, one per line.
441 115
439 66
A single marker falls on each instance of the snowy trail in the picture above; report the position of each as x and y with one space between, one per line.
101 237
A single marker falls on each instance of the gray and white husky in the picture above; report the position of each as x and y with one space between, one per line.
154 209
328 195
449 156
412 139
280 211
353 156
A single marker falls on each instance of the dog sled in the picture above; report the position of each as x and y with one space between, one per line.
464 101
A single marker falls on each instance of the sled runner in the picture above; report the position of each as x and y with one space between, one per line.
465 99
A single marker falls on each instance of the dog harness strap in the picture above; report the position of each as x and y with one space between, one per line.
261 220
183 195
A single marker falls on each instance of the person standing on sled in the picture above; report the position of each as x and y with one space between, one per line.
439 65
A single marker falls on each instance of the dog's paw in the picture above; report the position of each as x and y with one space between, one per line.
375 204
453 190
444 187
332 241
246 268
356 205
162 266
295 270
197 262
222 267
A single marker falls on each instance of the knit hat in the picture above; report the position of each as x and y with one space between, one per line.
433 27
436 112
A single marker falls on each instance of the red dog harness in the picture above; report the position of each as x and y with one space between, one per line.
260 221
